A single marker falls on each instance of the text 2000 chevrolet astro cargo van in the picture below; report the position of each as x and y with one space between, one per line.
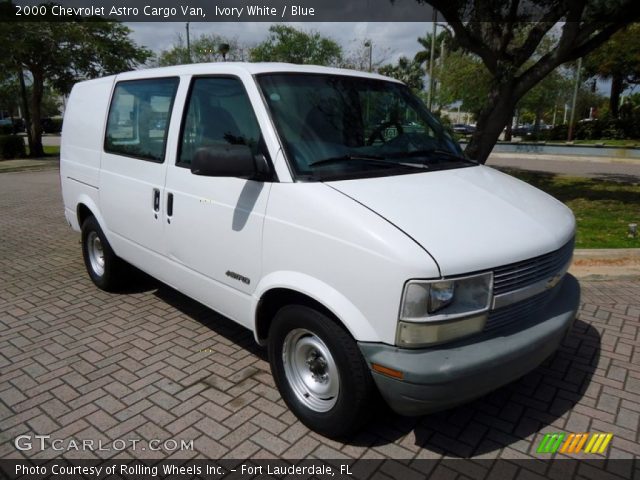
329 212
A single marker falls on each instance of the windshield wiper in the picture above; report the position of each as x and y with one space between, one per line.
366 158
436 152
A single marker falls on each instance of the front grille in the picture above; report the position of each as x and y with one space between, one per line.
517 312
521 274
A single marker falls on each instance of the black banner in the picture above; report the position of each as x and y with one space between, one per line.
500 469
223 10
272 10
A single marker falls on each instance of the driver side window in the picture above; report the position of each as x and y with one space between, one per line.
218 112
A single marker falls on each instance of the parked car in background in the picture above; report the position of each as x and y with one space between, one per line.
51 124
521 130
463 128
11 126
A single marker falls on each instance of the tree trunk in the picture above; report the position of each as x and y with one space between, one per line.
617 84
508 129
25 106
536 124
491 121
36 113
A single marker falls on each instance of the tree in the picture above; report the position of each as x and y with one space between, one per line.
357 57
9 94
287 44
204 48
506 36
442 38
61 53
554 90
407 71
454 74
619 60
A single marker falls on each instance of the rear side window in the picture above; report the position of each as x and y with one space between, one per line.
218 112
139 118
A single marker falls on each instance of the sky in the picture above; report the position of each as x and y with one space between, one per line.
390 40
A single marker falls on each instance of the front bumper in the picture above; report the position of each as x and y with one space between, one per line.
447 375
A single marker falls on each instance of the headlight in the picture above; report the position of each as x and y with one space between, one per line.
442 310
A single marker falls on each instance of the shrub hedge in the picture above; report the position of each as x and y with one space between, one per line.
12 146
605 129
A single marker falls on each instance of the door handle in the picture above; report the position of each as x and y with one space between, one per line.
169 204
156 200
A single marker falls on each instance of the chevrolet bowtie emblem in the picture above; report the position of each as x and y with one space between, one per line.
553 281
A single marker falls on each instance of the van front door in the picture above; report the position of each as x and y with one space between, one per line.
214 224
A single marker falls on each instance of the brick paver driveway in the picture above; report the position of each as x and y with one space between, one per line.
78 363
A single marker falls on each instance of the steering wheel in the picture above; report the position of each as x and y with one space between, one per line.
377 133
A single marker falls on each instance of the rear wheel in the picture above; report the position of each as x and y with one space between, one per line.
106 270
320 371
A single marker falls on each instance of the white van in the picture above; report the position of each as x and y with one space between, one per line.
329 212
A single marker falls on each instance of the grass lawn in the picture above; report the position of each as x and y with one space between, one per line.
52 149
48 149
603 209
609 143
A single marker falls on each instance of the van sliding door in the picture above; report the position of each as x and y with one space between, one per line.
133 166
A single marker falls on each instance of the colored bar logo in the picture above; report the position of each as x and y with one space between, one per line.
574 443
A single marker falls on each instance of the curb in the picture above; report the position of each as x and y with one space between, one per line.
20 165
564 157
606 264
606 253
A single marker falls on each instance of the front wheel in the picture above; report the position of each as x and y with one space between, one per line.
320 371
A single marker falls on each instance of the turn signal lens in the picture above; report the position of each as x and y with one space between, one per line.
414 334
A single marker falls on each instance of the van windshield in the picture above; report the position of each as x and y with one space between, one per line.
342 127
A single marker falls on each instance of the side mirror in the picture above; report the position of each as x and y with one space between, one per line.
228 161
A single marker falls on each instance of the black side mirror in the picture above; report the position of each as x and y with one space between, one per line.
227 161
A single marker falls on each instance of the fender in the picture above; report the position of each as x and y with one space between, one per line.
93 207
350 316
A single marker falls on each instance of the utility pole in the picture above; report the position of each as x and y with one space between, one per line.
188 44
574 100
434 19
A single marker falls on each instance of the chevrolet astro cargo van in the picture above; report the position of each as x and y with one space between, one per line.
329 212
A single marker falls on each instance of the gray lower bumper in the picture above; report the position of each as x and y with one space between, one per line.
441 377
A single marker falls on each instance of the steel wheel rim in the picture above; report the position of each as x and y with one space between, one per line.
96 253
310 370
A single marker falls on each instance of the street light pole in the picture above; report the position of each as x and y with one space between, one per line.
188 44
369 44
431 58
574 100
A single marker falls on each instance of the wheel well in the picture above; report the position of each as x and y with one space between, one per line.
275 299
83 213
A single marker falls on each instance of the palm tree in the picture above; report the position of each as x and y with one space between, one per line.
444 36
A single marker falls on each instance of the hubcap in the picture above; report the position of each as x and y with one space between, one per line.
310 370
96 253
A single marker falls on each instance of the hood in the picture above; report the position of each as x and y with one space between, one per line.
468 219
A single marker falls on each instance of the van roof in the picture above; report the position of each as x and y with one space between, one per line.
238 67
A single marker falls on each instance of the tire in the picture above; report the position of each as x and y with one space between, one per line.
105 269
320 372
